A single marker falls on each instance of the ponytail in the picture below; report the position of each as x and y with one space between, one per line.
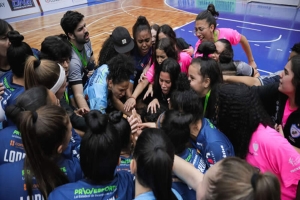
41 72
100 148
154 155
176 126
206 48
266 186
211 8
237 179
122 126
43 132
30 77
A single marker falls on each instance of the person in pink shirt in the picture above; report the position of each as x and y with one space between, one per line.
241 117
205 30
184 56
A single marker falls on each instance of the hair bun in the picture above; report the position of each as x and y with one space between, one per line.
206 48
211 8
15 38
96 121
115 116
141 20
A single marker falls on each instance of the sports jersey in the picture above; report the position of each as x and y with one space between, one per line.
12 179
11 92
11 145
139 62
96 91
77 70
150 195
271 152
231 35
211 144
124 164
12 149
190 155
122 187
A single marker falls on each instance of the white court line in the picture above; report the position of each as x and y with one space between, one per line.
253 29
265 71
100 34
59 24
257 24
125 10
110 16
267 41
226 19
175 28
83 6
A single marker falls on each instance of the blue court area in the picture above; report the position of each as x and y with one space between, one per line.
270 29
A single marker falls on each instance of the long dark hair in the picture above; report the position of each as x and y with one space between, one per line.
239 112
154 156
43 132
185 99
107 51
100 148
171 67
295 61
176 126
122 126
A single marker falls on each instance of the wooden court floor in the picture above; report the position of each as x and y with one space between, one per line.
102 18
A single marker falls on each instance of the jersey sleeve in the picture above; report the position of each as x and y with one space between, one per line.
75 70
284 160
184 61
96 90
233 36
150 74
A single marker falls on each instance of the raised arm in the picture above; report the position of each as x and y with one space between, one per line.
187 172
247 49
250 81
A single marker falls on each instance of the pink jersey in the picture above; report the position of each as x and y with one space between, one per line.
270 151
184 61
231 35
287 112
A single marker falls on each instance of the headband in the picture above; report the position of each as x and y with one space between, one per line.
60 81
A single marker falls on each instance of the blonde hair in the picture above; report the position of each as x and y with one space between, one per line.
40 72
238 180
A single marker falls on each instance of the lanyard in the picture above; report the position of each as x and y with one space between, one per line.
66 97
206 101
215 36
83 59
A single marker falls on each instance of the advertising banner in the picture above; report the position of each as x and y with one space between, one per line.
16 8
